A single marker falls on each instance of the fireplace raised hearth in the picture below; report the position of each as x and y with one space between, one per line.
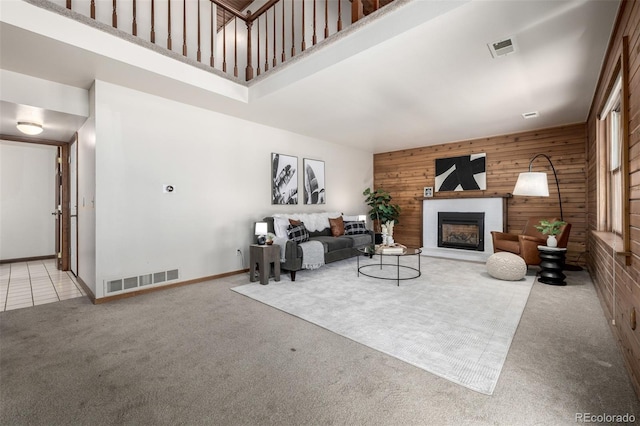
461 230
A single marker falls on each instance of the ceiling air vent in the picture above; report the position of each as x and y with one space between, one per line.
502 47
533 114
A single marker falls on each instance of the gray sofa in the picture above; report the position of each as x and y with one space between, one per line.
335 248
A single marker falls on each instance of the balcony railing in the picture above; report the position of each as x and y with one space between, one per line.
213 33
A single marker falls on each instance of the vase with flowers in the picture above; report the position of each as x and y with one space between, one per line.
551 229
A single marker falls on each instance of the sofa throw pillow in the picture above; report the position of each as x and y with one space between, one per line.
355 228
281 226
298 233
337 226
294 222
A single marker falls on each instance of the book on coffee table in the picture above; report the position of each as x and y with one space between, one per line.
394 249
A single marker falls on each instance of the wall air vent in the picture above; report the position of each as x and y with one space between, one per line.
532 114
502 47
120 285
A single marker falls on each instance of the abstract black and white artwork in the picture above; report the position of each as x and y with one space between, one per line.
465 173
284 179
314 189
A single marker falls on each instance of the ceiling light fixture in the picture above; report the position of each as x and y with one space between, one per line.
532 114
29 128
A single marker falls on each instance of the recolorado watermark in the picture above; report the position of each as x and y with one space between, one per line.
605 418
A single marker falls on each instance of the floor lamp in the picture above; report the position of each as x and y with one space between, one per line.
535 183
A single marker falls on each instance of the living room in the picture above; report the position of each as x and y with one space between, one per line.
136 140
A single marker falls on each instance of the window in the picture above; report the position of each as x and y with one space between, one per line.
612 152
612 143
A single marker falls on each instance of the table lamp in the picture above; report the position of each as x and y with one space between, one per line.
261 231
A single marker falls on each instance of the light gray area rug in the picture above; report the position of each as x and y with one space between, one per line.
455 321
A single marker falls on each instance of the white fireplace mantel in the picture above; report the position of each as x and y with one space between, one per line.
494 209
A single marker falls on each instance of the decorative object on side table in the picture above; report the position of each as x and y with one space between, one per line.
270 237
551 229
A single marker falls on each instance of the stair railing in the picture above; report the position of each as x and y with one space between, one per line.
276 32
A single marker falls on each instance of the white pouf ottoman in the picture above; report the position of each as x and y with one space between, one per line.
506 266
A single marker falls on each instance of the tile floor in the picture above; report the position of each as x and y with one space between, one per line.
25 284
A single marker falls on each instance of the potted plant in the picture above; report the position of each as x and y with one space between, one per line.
382 211
270 237
551 229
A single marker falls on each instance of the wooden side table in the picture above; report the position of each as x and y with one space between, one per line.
551 265
262 257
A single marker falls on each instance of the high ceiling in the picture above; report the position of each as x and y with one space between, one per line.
419 78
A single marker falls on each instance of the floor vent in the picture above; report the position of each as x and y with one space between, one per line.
131 283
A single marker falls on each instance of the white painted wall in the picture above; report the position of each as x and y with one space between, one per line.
86 198
27 198
48 95
220 167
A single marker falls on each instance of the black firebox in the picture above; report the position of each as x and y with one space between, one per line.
461 230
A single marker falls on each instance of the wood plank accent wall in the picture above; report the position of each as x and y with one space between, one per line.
405 173
618 283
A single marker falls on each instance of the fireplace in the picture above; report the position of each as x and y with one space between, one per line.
461 230
494 209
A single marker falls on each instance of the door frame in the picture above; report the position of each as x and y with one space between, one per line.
63 253
73 146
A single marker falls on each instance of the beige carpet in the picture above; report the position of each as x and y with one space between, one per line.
457 325
204 355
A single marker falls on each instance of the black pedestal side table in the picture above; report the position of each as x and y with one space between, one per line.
551 265
262 257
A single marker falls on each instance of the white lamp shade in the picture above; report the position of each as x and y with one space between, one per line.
28 128
261 228
532 184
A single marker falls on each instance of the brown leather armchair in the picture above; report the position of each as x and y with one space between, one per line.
526 244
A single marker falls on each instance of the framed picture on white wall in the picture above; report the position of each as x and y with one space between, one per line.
284 179
314 184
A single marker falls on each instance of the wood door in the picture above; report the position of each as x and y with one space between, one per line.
57 212
62 209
